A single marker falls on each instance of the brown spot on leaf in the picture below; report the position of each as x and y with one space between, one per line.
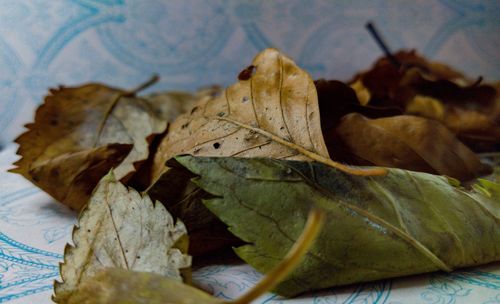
247 73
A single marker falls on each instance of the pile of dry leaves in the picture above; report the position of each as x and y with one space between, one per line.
245 166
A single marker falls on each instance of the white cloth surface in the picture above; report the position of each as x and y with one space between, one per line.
34 230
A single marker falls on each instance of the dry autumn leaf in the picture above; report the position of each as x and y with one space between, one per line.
375 227
381 82
168 105
115 285
476 129
183 200
470 96
406 142
73 141
412 58
119 228
337 99
272 111
390 84
468 108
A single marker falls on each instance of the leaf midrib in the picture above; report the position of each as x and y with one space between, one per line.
398 232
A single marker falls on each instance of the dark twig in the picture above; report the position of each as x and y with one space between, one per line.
476 83
381 43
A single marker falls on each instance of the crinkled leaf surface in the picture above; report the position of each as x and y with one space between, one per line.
476 129
271 112
75 129
273 95
387 83
114 285
467 107
119 228
406 142
376 227
121 286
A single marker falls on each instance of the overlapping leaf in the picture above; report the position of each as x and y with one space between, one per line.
183 200
115 285
119 286
467 107
273 95
377 227
122 229
406 142
74 140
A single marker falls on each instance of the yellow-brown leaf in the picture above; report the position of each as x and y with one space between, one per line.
272 111
74 138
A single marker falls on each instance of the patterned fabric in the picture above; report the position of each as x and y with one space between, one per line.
192 43
34 230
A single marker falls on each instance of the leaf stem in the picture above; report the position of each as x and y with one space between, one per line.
154 79
381 43
313 226
311 155
128 93
477 82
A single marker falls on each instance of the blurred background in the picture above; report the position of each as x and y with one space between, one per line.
193 43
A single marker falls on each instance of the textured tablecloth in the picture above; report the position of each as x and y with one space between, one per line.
34 230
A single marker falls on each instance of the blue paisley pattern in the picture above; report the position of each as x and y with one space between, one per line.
457 286
25 270
228 282
28 216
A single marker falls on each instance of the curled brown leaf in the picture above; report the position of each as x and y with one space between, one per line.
77 127
466 106
406 142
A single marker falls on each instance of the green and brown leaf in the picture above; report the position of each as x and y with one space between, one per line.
376 227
